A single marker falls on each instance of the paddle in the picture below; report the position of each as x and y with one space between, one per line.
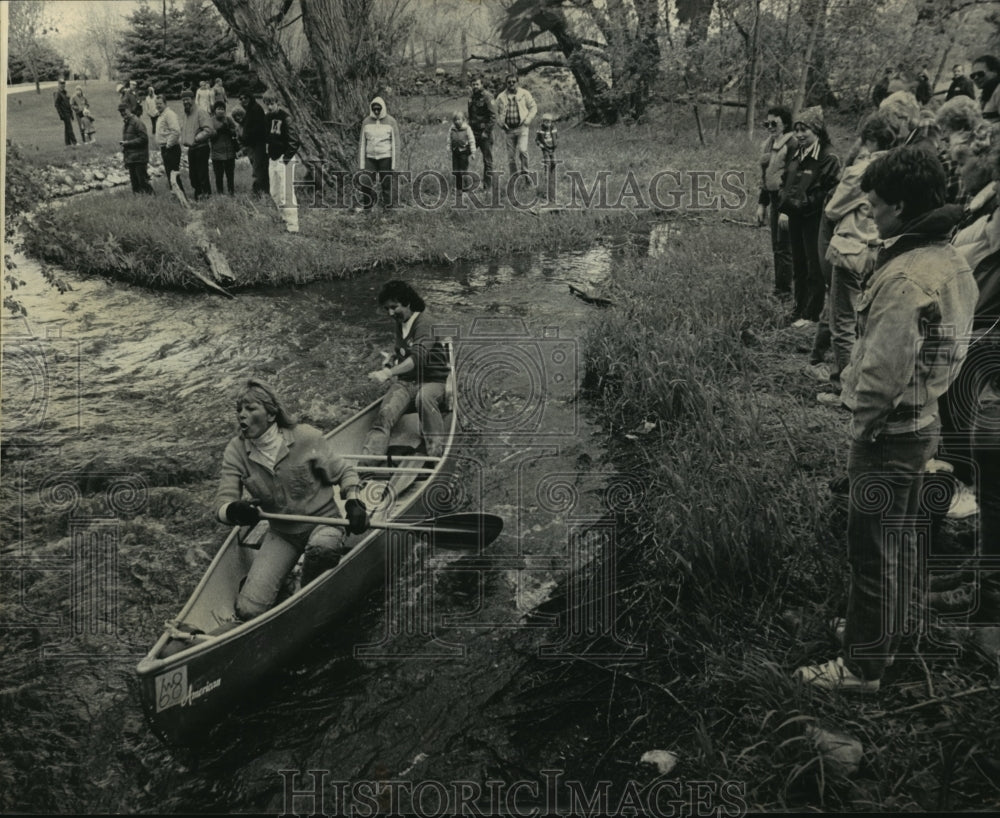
452 531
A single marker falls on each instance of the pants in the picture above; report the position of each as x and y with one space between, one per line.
82 126
459 168
172 164
428 399
376 183
484 141
225 167
152 120
986 454
198 157
323 546
781 248
845 289
807 273
517 149
68 134
260 164
883 522
138 175
281 177
549 165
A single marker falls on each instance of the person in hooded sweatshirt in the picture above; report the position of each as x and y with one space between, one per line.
377 151
282 145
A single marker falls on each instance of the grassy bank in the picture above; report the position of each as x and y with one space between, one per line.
737 562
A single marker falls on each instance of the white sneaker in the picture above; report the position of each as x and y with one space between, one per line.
819 372
833 675
830 399
934 466
802 322
963 504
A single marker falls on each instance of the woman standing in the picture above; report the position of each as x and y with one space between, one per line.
149 107
813 171
79 103
776 150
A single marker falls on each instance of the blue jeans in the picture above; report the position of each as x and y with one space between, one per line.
884 520
278 554
780 248
428 399
517 148
845 288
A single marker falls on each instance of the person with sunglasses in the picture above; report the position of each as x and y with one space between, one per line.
776 149
986 75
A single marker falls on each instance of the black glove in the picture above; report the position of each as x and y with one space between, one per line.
357 516
243 512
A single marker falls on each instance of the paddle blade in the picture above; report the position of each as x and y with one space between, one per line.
467 531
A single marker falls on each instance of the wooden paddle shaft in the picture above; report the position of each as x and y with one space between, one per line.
304 518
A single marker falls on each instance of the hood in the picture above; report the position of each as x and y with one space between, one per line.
379 101
934 226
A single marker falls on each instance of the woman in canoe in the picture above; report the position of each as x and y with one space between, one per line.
286 468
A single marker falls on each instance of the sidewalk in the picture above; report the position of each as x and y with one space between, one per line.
28 86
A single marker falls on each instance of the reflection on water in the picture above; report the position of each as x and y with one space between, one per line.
122 376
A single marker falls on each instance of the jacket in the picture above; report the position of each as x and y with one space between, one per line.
773 161
281 138
135 141
914 317
855 239
224 141
149 106
429 354
78 103
808 180
482 112
379 136
305 470
526 106
168 129
196 128
254 125
461 140
989 101
63 106
961 86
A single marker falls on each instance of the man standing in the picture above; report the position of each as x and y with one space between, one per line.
515 110
65 110
986 75
961 85
168 137
482 118
135 148
196 131
914 317
254 139
282 145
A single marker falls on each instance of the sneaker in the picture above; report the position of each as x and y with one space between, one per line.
830 399
963 504
934 466
839 627
801 322
833 675
818 371
958 600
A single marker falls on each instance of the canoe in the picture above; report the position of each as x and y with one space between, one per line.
190 678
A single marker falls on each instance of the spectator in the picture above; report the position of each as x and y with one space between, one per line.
136 101
79 103
881 89
149 107
545 138
462 146
196 132
778 146
168 137
986 75
135 148
203 98
223 142
482 118
87 124
923 91
128 96
913 321
377 156
961 85
282 145
65 110
959 120
516 109
253 137
218 93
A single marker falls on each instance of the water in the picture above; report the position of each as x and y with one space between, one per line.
117 404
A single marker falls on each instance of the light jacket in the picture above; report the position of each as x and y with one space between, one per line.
196 128
305 470
914 318
773 161
526 106
168 129
855 241
79 103
149 106
379 136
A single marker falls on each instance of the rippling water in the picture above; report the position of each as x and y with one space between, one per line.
117 403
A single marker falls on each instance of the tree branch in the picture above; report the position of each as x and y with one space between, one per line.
279 16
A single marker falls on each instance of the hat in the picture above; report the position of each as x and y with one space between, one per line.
812 118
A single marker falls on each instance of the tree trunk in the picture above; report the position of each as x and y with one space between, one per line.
465 58
754 63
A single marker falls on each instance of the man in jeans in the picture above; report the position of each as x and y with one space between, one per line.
482 118
168 137
914 318
515 110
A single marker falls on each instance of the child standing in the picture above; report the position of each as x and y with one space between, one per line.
462 144
546 140
87 124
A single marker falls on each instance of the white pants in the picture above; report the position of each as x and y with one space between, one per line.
281 177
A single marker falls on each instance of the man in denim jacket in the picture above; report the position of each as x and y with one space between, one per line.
914 318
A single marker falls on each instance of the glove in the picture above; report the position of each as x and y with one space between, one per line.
380 375
357 516
243 512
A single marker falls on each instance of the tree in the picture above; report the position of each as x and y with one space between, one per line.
102 30
27 26
46 64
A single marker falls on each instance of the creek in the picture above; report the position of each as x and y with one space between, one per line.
117 404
